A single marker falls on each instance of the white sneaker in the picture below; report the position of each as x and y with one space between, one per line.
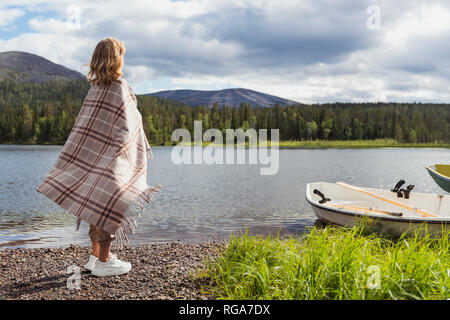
91 263
92 260
112 267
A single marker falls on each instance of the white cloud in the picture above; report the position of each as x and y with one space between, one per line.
7 16
309 51
136 74
61 49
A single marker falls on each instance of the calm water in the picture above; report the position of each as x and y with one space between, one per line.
203 202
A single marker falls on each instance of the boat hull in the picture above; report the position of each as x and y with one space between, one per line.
441 180
329 216
380 209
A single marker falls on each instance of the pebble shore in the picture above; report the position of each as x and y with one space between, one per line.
159 271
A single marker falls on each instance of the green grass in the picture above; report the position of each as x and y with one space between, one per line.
377 143
332 263
354 144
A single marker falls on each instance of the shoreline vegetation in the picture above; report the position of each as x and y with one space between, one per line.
324 263
311 144
343 144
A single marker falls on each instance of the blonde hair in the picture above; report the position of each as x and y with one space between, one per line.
106 63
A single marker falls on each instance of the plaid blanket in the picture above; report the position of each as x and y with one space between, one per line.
100 175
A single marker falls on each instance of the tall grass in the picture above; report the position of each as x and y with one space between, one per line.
333 263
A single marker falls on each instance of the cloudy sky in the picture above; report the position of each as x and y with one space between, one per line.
305 50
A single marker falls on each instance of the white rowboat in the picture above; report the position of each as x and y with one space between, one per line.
346 205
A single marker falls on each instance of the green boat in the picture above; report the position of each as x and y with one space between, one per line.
441 174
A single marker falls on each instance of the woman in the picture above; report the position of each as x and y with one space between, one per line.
100 175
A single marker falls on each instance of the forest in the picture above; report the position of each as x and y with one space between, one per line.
45 113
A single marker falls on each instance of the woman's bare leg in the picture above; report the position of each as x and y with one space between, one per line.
95 249
104 252
101 243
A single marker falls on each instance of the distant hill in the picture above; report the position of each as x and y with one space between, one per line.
28 67
228 97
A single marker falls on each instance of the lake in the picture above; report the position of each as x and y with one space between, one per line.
204 202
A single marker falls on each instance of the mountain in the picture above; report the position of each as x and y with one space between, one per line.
229 97
28 67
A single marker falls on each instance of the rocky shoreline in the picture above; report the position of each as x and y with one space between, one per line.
160 271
